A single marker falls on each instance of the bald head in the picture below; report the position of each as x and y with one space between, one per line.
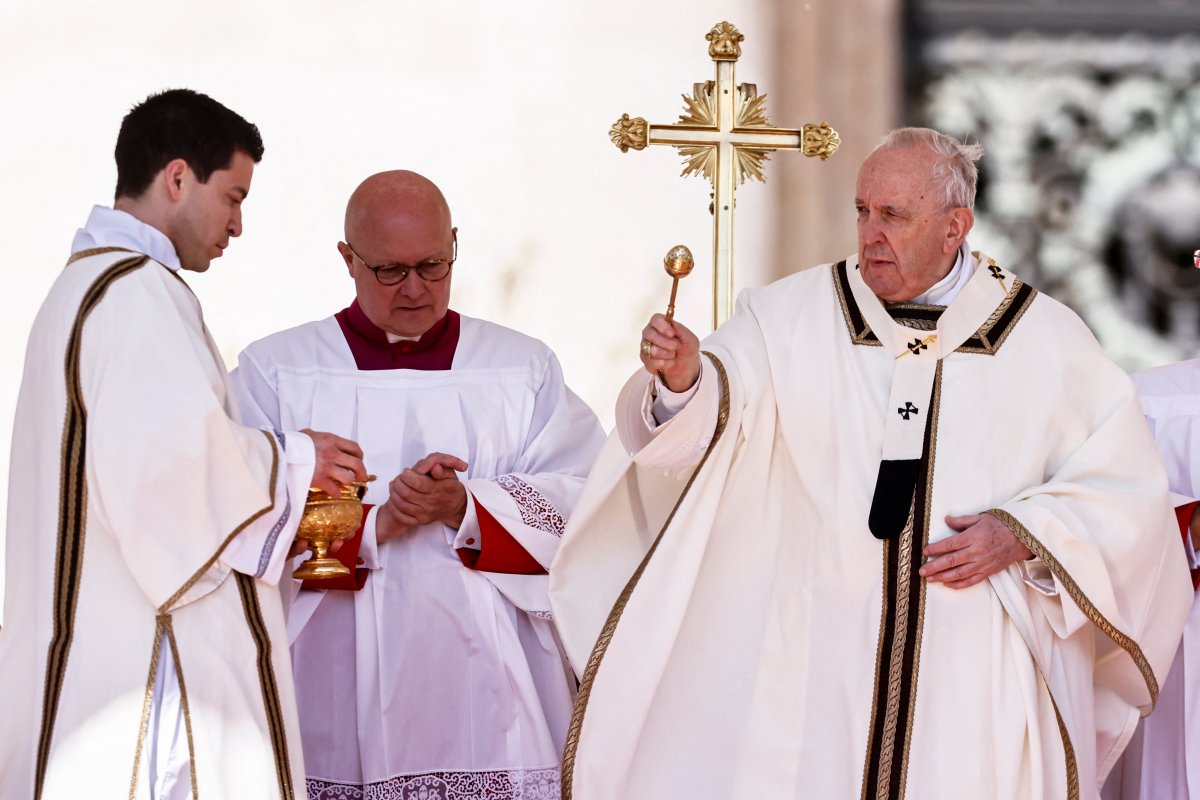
399 218
394 199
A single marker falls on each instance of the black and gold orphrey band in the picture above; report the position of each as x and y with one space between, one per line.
614 616
903 604
267 683
72 511
986 341
898 656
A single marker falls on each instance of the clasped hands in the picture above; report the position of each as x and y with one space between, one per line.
982 547
428 491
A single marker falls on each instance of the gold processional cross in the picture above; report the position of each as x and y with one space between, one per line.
724 135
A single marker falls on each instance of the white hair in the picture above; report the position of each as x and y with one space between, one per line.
954 166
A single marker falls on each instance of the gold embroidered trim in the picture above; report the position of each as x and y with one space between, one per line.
896 664
864 336
147 704
167 607
272 708
1081 600
909 589
1070 765
913 307
883 614
95 251
987 340
169 627
614 616
72 515
1022 296
916 324
1068 748
935 408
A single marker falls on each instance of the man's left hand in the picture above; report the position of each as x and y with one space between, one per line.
430 491
983 547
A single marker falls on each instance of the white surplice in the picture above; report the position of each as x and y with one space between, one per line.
435 677
147 530
1163 759
768 645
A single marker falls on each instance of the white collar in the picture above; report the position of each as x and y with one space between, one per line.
395 337
944 291
107 227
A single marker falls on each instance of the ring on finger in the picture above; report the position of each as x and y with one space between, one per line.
647 347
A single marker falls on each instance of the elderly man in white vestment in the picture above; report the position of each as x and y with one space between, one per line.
143 647
900 532
434 670
1161 762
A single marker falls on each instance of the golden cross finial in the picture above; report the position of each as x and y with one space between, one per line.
724 135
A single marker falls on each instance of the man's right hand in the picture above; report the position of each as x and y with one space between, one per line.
673 350
428 491
339 462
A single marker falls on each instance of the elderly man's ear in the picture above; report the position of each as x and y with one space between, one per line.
961 221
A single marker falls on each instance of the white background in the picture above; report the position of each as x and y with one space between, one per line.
506 106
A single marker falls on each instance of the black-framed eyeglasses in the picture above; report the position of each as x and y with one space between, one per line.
431 271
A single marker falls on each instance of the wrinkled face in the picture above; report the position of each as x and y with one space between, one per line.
907 239
210 213
411 237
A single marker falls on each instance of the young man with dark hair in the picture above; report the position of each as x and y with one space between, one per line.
180 123
143 642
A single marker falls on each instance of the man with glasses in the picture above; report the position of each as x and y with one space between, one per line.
924 548
433 669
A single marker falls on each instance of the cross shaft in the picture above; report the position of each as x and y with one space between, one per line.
725 136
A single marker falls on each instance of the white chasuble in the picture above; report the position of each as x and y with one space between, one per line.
738 588
435 679
147 529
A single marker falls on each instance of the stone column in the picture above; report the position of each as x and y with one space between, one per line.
839 63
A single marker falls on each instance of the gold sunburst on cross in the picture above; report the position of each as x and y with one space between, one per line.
724 135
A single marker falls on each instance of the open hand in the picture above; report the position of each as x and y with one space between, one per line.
983 547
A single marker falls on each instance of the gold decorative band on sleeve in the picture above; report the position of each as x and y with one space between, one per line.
614 616
1081 600
168 606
